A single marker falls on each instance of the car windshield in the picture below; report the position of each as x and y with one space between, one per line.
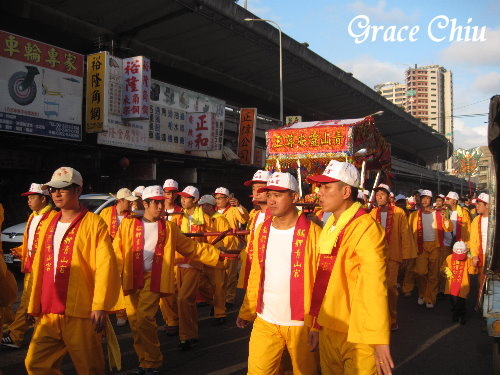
93 204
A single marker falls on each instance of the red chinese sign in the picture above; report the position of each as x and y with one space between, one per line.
200 128
135 88
246 138
40 54
308 140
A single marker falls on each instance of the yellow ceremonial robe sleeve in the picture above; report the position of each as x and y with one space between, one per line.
249 306
466 225
475 237
244 253
94 281
175 241
235 217
355 301
106 216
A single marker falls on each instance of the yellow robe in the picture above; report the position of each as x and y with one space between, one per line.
355 301
235 217
175 241
468 269
401 245
249 306
475 237
94 281
413 220
244 253
466 222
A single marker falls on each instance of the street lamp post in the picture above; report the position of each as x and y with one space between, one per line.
281 60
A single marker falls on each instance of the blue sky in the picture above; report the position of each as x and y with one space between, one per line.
475 65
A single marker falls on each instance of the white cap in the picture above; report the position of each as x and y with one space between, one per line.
190 192
399 197
259 176
426 193
64 177
459 247
338 171
209 199
453 195
281 181
366 192
125 193
391 194
440 196
170 185
420 191
385 187
222 190
411 200
483 197
138 191
36 189
153 192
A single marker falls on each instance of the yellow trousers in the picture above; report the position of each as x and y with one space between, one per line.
231 279
19 326
392 271
188 280
338 356
427 270
267 343
444 251
142 306
54 336
212 289
168 307
409 277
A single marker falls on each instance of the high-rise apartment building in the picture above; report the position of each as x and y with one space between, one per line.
394 92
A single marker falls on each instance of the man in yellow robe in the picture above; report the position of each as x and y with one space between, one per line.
8 293
147 246
236 215
350 293
75 283
280 284
400 243
39 203
479 235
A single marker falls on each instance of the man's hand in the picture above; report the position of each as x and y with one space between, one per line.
98 318
313 340
384 359
241 323
234 202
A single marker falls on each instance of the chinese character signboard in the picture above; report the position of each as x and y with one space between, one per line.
246 138
118 132
200 128
135 87
96 103
41 88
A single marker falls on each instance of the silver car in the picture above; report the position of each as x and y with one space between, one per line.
13 236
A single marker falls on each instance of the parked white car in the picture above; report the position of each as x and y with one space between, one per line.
13 236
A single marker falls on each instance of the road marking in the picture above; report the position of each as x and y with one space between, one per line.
230 370
428 344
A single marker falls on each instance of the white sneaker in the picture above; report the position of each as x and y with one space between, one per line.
121 322
429 305
420 301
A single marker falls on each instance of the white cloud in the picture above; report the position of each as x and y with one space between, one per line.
371 71
382 14
487 84
468 136
475 53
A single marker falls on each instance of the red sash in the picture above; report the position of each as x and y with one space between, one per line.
55 287
297 272
138 256
481 253
113 226
29 258
325 268
388 222
248 263
458 263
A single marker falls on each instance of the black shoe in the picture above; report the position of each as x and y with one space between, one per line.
185 345
219 321
211 311
229 305
138 371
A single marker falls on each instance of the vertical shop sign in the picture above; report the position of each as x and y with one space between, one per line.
201 134
135 88
246 138
96 82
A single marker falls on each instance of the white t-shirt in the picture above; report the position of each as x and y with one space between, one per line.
484 232
260 219
278 267
31 232
429 229
454 218
61 229
120 218
383 219
150 241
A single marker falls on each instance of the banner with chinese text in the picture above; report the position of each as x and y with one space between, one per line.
41 88
246 137
135 88
200 128
95 97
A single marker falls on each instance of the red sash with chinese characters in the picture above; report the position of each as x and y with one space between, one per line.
248 262
113 226
388 222
300 234
55 286
458 263
325 268
138 256
481 253
31 254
